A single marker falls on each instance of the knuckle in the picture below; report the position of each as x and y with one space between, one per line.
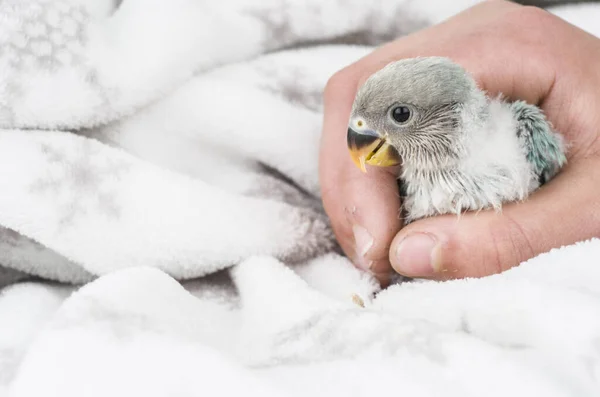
535 19
499 244
511 243
339 82
481 255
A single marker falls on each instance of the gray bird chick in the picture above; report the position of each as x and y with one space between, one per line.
458 149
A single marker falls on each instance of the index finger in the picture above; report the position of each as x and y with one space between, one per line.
363 208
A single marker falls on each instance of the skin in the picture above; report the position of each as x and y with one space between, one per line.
524 53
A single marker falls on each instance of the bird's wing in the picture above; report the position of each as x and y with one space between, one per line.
545 147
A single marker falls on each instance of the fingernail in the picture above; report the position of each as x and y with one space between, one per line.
363 241
417 255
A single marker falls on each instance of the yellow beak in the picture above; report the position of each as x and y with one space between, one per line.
369 147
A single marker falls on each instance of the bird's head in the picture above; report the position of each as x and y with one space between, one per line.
411 112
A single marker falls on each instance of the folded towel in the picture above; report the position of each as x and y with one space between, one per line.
164 154
533 330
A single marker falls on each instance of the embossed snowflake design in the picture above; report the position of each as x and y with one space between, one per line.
36 36
51 34
81 182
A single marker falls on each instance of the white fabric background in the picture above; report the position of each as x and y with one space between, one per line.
168 140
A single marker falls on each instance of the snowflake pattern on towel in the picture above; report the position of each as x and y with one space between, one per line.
51 36
82 181
165 154
62 69
39 37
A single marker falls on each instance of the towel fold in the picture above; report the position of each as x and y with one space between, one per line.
160 158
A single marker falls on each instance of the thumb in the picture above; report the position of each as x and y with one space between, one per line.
478 244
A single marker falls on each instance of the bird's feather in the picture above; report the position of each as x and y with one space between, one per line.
545 148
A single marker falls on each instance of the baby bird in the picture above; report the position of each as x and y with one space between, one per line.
458 149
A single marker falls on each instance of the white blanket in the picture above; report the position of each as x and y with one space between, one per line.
148 141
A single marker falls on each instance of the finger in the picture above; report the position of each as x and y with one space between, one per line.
484 243
490 26
363 208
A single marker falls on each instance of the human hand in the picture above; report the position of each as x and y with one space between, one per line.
522 52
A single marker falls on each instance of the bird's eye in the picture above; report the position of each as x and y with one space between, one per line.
400 114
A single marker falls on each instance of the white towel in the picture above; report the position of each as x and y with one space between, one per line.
147 143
